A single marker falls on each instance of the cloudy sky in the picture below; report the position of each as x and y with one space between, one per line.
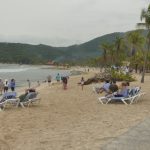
66 22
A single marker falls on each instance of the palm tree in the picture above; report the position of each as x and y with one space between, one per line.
108 53
119 49
105 48
111 53
145 14
136 40
118 44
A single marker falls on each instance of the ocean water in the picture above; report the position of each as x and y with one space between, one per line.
21 73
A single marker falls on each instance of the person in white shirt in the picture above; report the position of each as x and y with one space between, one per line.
6 84
105 87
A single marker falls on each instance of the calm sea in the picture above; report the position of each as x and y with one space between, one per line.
21 73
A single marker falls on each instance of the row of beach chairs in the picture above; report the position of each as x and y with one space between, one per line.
134 95
11 99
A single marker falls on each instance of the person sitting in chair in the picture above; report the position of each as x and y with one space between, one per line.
27 91
123 92
105 87
113 87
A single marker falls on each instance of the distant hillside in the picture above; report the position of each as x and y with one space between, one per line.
90 49
39 54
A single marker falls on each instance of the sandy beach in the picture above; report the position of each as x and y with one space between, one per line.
69 119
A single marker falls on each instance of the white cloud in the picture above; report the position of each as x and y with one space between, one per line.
65 22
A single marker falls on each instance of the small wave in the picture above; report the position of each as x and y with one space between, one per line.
13 70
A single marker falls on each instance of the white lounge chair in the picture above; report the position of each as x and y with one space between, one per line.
30 99
136 91
133 96
9 98
139 93
125 100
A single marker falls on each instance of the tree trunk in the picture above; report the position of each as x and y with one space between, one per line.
136 68
144 66
145 60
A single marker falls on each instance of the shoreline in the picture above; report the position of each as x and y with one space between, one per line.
73 73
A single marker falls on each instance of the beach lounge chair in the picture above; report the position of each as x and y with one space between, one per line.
139 93
125 100
9 98
30 99
133 96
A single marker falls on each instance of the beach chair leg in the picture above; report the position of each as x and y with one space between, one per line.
4 106
132 101
29 104
124 101
22 105
18 102
109 100
100 100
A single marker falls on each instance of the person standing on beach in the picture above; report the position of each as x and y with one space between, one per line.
82 83
64 81
12 85
58 77
6 84
49 79
1 86
29 83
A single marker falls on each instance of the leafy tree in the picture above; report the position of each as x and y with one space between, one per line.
145 15
136 41
120 50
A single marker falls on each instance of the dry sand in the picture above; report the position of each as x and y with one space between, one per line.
69 120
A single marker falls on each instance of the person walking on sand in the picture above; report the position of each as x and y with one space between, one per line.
49 79
82 83
64 81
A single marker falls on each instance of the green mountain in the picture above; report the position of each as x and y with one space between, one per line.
39 54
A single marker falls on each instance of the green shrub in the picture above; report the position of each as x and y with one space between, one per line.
121 76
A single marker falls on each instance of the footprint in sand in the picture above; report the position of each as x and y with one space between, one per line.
4 145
